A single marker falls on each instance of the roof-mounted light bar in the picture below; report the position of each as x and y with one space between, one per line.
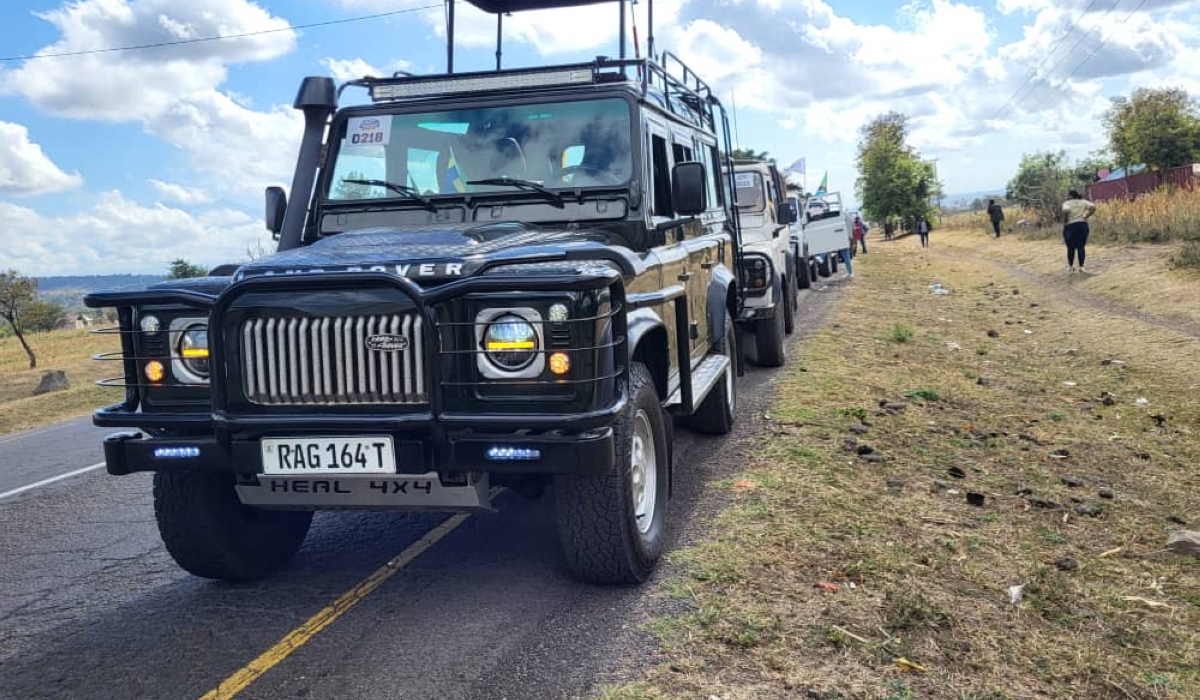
409 88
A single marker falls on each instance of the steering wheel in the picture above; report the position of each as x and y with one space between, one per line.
599 176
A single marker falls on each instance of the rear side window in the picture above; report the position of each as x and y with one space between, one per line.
662 176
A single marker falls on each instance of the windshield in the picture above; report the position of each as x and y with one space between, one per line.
750 194
553 144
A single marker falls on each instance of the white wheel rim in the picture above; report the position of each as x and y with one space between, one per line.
643 475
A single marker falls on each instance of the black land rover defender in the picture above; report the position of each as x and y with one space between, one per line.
509 278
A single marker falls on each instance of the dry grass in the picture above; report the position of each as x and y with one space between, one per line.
827 568
70 351
1165 215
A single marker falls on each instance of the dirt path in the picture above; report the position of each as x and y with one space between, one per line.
1060 287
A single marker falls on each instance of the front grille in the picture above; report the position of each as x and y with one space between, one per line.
323 361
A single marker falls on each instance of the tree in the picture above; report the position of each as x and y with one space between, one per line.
353 190
17 293
1041 183
41 316
181 268
751 154
1159 127
893 181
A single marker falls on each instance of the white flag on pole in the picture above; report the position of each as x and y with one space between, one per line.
799 167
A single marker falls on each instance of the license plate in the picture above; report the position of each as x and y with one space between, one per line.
328 455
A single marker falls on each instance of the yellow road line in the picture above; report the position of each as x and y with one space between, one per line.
300 636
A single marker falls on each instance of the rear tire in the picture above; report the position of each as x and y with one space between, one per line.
209 533
833 262
768 339
611 526
823 266
716 413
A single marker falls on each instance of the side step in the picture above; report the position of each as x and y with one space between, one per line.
705 376
401 492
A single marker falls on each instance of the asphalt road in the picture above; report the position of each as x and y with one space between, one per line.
91 606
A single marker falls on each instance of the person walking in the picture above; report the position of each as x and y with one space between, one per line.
996 214
888 228
1076 212
923 231
860 234
844 254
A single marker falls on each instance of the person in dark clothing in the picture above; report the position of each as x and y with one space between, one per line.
889 228
1076 211
996 214
923 231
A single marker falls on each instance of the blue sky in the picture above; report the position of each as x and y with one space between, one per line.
121 161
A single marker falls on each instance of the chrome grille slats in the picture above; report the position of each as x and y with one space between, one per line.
289 361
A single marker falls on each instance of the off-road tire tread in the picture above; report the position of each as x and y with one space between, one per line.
599 538
789 308
203 525
769 340
823 267
803 274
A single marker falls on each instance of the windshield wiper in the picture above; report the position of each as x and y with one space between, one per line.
409 192
555 198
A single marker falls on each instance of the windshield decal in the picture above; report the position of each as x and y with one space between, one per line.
369 131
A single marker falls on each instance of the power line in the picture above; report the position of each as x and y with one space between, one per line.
221 37
1017 99
1104 39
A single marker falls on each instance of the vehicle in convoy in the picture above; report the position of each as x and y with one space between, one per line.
511 278
804 265
827 233
768 277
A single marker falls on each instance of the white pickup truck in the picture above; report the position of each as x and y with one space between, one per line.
827 229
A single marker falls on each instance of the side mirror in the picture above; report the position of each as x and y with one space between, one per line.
276 206
689 188
784 213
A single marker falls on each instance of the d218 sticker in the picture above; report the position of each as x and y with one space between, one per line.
369 131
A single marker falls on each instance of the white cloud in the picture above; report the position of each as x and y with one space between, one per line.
117 235
128 85
174 192
24 167
239 148
353 68
172 91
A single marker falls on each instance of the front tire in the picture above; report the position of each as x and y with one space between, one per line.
789 307
804 274
209 533
611 526
768 339
716 413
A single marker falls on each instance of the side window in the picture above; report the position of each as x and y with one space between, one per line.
714 157
572 156
706 157
662 176
681 152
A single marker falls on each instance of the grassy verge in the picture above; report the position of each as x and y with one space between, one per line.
69 351
937 452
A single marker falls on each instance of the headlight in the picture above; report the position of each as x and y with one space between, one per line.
511 342
193 350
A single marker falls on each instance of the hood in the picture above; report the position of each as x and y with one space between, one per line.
432 253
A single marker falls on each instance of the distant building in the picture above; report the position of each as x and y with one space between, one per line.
1119 184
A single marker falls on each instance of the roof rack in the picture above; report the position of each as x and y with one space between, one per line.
683 94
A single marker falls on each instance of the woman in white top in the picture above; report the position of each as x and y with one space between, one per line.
1076 211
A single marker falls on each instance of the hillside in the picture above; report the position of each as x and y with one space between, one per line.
69 290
